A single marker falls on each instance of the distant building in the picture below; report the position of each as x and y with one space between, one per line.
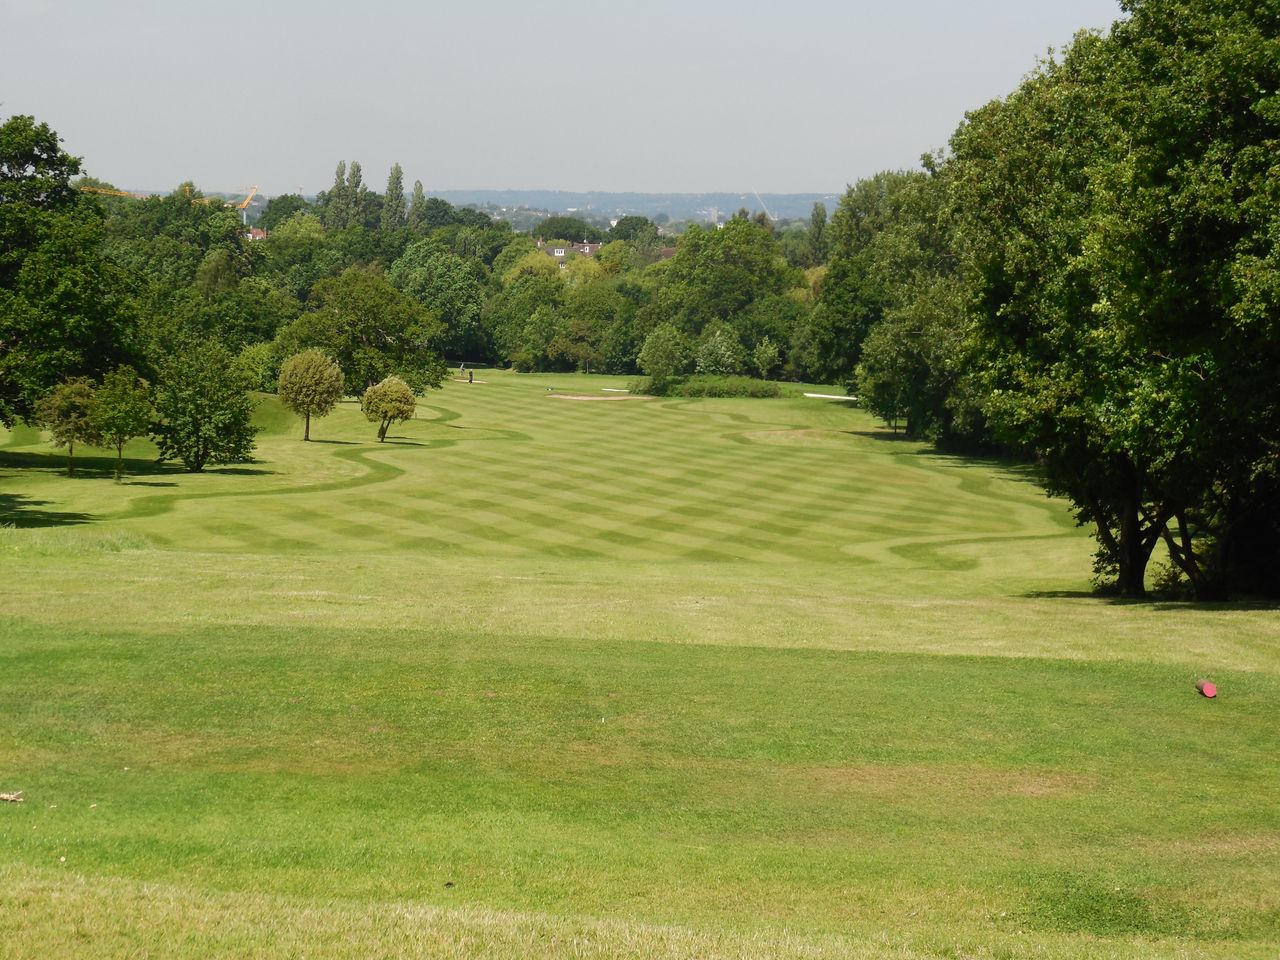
256 233
560 252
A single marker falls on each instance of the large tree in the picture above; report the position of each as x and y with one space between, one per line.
371 329
65 309
205 412
393 203
448 286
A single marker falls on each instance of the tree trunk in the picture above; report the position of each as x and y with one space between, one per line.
119 462
71 452
306 430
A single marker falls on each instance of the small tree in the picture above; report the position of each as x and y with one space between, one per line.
719 353
204 409
388 402
765 357
310 385
66 412
121 411
664 356
259 366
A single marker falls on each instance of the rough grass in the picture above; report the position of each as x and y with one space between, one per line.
716 678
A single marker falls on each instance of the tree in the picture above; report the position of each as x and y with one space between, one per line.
388 402
817 232
447 285
66 412
764 357
66 309
310 385
630 227
205 414
664 356
716 274
719 353
371 329
121 411
338 204
1059 374
281 208
417 218
573 229
393 217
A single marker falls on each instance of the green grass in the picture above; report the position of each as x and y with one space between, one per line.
653 678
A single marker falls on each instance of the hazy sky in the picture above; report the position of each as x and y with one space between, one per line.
646 95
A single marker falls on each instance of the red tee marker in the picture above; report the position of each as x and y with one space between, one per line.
1207 688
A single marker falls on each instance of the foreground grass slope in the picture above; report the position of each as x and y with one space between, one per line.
546 676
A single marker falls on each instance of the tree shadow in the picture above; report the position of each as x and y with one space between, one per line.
887 435
1159 603
24 512
239 471
340 443
86 467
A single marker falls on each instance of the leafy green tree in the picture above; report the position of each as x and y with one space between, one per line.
631 227
817 233
716 274
417 216
66 412
205 413
853 293
573 229
390 401
446 285
281 208
121 411
393 214
338 205
258 365
310 385
66 310
371 329
719 353
665 356
765 357
1058 373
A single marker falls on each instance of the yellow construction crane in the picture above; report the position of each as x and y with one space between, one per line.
112 193
243 205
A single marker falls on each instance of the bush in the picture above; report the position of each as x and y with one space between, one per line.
703 386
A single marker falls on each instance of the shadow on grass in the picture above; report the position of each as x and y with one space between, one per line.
98 468
888 435
86 467
238 471
337 443
1157 602
24 512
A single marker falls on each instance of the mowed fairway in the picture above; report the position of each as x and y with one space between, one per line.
568 678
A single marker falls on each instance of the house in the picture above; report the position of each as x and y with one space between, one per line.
560 251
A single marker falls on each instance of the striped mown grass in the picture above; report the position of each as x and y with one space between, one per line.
550 677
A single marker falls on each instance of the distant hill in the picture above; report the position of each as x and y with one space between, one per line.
676 206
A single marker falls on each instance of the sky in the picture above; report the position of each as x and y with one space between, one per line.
629 95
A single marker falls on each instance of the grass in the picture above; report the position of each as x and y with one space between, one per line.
666 678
